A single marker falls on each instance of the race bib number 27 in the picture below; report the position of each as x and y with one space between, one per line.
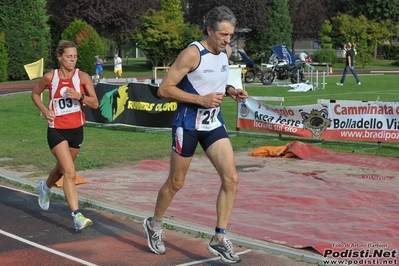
207 119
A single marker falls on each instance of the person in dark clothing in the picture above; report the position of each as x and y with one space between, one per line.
350 64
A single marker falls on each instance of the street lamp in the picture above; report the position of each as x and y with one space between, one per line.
240 31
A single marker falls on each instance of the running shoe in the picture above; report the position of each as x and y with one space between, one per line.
154 237
44 197
339 84
80 221
224 249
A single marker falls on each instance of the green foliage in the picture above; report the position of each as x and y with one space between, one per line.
3 59
359 31
174 35
325 35
364 59
390 51
88 41
201 235
278 31
27 35
326 55
173 10
373 10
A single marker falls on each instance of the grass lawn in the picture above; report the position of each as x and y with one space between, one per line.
23 131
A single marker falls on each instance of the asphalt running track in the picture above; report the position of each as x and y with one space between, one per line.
31 236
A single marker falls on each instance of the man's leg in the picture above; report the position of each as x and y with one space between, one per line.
178 169
355 75
221 155
153 225
344 74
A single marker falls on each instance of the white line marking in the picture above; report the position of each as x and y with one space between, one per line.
213 259
47 249
19 190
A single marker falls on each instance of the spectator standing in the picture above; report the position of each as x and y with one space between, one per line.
349 64
99 67
303 56
117 66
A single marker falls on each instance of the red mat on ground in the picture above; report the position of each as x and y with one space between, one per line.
310 152
334 207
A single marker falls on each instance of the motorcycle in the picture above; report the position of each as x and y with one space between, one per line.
250 72
280 69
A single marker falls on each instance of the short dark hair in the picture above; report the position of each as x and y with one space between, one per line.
216 15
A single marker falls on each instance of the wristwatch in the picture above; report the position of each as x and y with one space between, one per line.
82 98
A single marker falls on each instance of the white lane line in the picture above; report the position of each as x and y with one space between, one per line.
19 190
47 249
213 259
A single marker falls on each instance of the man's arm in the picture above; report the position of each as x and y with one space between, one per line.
187 60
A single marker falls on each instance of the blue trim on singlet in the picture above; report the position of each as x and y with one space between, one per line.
185 115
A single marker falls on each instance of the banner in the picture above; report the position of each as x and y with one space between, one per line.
235 76
328 119
35 69
134 104
283 52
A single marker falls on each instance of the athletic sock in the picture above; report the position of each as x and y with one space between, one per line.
46 188
156 224
219 234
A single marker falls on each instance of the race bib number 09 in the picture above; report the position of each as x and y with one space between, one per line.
207 119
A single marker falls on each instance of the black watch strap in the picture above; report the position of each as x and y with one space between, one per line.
227 88
82 98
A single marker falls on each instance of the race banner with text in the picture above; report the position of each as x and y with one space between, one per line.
328 119
134 104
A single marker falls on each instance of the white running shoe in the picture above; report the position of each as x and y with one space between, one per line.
224 250
44 197
154 238
80 221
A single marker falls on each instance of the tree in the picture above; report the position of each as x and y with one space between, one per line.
249 13
116 20
278 31
365 34
88 41
162 27
3 59
377 10
26 32
307 16
379 33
